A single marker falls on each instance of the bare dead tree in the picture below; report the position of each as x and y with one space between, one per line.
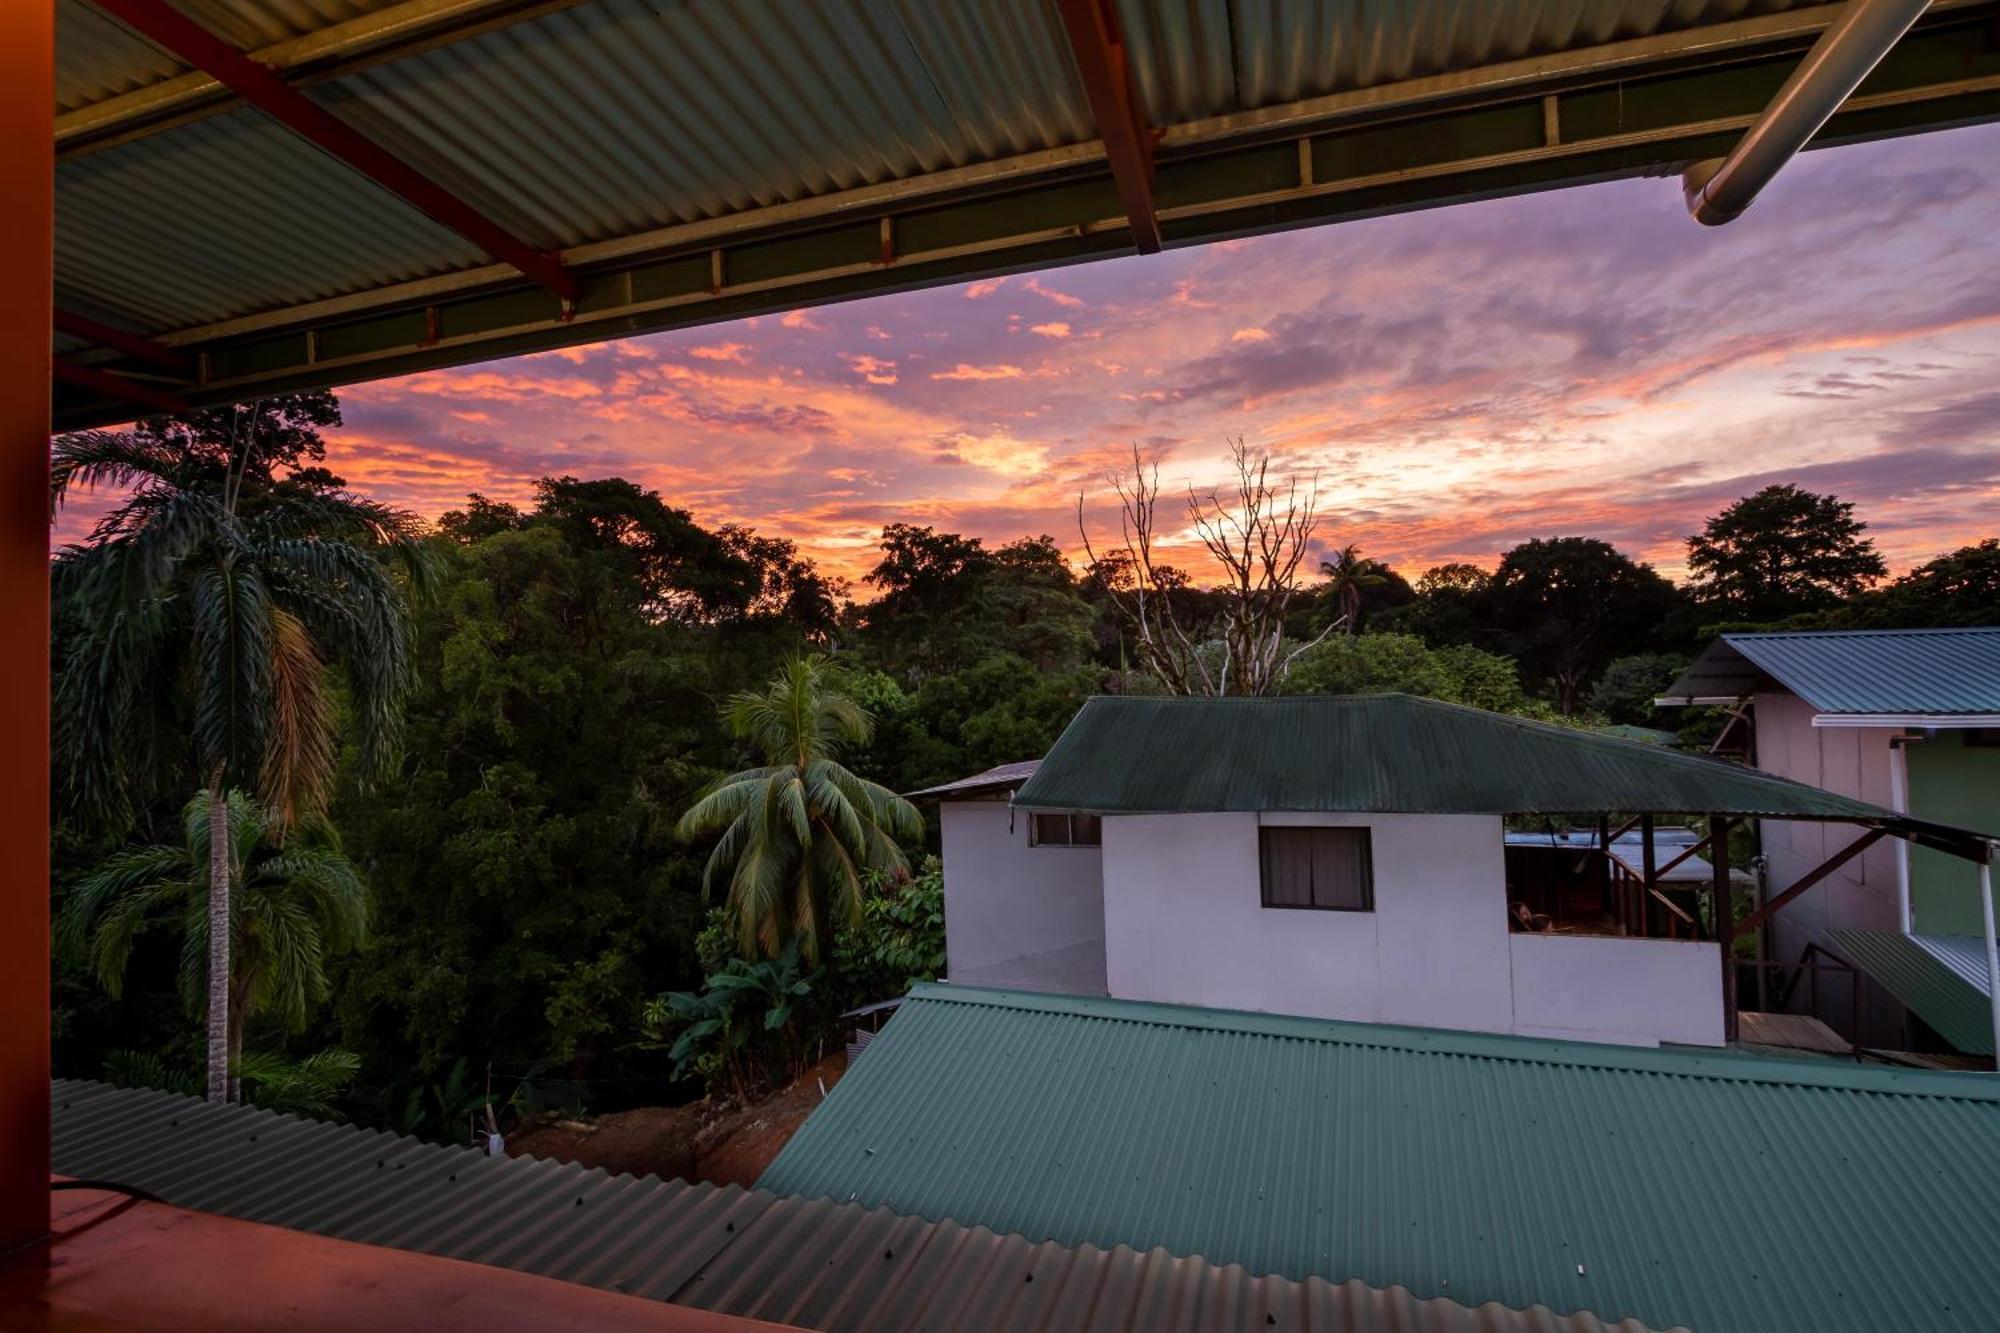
1259 535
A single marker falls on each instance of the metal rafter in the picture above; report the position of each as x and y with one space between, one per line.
265 89
119 340
391 33
1114 104
117 386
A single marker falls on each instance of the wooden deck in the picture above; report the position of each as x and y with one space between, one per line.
1797 1032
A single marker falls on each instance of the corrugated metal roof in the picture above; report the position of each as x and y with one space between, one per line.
622 115
1002 777
609 118
236 210
806 1262
1197 58
1720 1191
1938 672
1940 978
1383 753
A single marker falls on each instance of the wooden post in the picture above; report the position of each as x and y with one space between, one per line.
1725 918
27 164
1650 874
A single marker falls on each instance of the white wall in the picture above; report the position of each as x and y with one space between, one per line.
1185 923
1016 915
1860 895
1598 988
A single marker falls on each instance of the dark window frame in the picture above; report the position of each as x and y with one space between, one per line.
1366 836
1094 827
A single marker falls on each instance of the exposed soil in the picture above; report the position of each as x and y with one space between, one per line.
704 1140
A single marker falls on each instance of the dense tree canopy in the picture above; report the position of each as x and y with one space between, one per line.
1779 552
528 901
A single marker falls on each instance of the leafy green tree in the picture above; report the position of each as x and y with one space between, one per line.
800 833
1626 690
1958 588
1564 607
293 903
1375 663
201 622
1444 607
1780 552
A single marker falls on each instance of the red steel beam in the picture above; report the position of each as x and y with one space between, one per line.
1114 102
27 164
118 386
118 340
265 89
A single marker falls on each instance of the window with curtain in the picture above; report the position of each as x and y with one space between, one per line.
1066 830
1331 869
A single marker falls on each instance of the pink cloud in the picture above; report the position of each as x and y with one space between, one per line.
985 287
1056 329
727 351
1063 299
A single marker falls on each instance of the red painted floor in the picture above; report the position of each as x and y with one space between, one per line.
118 1264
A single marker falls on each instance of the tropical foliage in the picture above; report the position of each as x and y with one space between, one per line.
293 905
568 688
200 623
799 833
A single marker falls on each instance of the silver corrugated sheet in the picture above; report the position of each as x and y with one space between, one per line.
811 1263
230 215
1199 58
97 57
1883 671
1712 1189
623 115
612 117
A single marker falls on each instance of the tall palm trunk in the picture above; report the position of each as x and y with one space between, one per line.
218 940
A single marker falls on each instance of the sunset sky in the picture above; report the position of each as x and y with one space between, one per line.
1586 361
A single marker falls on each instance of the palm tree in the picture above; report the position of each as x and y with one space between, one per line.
201 621
1351 573
293 902
801 833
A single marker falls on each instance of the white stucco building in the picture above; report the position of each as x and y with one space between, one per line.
1909 719
1347 858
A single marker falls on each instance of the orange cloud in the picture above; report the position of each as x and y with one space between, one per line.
984 288
1063 299
720 351
1056 329
962 371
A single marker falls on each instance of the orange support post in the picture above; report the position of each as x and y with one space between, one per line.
27 164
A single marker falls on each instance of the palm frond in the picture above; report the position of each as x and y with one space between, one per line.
299 752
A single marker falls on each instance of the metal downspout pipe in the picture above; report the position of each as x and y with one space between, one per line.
1992 949
1899 801
1719 189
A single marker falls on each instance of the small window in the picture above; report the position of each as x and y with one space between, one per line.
1331 869
1065 829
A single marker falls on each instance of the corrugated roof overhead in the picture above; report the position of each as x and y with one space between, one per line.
707 159
1889 672
1719 1191
1940 978
803 1262
1387 753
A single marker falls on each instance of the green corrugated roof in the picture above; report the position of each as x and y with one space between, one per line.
1720 1192
1384 753
1933 976
1938 672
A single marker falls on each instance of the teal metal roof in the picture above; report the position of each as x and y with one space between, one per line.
1718 1191
1384 753
1940 978
802 1263
1925 672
